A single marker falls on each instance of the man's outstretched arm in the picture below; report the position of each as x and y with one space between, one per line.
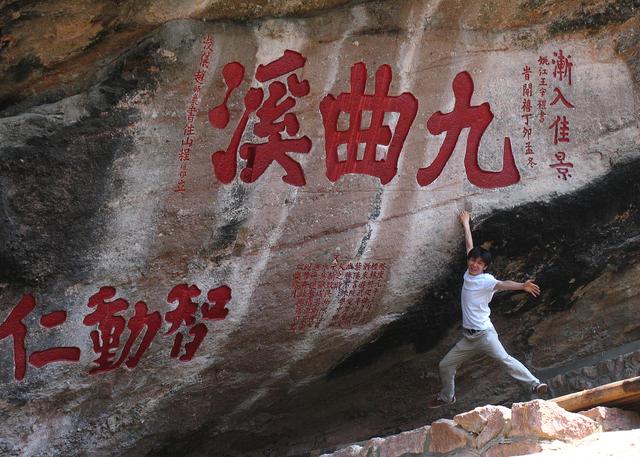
528 286
465 218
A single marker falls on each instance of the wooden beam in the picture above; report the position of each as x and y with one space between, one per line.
625 391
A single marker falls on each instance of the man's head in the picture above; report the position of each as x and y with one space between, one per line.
478 260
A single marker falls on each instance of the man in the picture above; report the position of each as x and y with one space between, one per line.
478 334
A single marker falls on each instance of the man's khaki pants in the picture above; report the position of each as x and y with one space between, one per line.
483 342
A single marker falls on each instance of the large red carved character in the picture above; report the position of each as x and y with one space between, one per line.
14 326
110 326
477 119
59 354
185 313
376 134
259 156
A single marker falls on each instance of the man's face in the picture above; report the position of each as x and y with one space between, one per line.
476 265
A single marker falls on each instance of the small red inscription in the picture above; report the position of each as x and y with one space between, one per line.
351 287
189 130
526 113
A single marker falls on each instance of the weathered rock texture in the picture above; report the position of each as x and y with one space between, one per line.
487 422
549 429
612 419
548 420
93 103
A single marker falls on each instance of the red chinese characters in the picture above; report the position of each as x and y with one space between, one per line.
259 156
14 327
562 66
560 97
561 127
526 113
110 327
561 166
185 314
59 354
477 119
189 130
353 287
376 134
543 63
368 144
141 319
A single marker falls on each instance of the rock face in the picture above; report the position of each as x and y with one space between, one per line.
205 294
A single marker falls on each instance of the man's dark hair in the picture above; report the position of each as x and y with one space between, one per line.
479 252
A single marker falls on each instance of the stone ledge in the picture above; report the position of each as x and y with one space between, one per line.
496 431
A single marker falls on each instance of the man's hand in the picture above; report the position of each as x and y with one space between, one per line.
531 287
465 218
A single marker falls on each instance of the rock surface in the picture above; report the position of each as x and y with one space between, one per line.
547 420
410 442
485 421
447 436
612 419
94 107
552 433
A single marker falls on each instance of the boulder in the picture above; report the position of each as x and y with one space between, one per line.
485 421
447 436
613 418
474 420
547 420
409 442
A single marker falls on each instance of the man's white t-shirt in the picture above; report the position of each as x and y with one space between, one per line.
477 292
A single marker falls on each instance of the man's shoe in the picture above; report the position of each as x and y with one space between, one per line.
541 389
436 402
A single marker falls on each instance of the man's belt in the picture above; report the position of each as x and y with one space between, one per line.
471 331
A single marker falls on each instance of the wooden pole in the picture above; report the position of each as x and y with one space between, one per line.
625 392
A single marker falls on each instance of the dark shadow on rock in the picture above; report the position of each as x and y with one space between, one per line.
563 244
54 186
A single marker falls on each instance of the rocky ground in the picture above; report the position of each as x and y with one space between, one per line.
537 428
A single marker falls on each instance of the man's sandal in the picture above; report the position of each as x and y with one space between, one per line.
540 389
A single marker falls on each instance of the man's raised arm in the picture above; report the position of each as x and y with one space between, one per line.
465 218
